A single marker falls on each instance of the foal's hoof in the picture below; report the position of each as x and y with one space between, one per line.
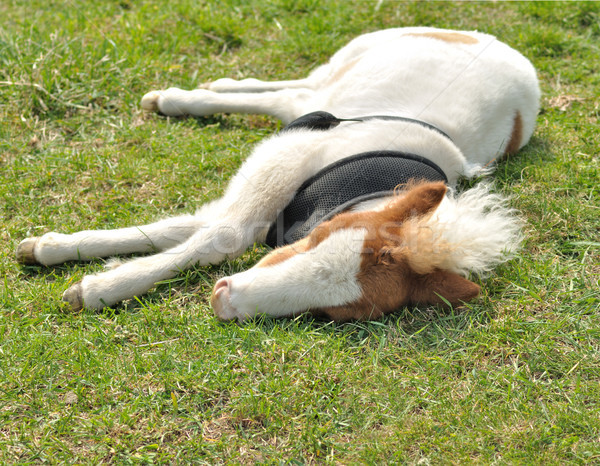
25 251
73 296
150 101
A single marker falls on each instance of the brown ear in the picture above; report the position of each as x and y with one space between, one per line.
421 199
431 288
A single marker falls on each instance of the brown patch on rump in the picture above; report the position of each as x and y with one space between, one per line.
342 71
455 37
516 137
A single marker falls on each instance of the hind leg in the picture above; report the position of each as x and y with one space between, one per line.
285 104
251 85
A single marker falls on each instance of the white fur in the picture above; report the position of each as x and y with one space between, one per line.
470 91
471 232
323 276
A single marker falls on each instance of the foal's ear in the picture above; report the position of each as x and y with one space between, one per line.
421 199
431 288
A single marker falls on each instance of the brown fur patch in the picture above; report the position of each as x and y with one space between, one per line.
423 248
388 285
284 253
454 37
431 288
516 137
387 279
343 70
418 200
387 271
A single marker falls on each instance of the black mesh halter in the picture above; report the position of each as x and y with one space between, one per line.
345 183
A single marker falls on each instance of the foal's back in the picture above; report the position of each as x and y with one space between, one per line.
474 87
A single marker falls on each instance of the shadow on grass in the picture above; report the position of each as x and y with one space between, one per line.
192 287
423 326
226 121
537 153
231 121
51 272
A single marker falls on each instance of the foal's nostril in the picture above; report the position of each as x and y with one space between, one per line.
220 300
221 286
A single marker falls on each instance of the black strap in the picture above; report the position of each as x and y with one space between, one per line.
343 184
322 121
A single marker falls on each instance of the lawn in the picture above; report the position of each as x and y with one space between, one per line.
513 377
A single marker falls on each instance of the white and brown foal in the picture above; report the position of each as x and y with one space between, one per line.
415 246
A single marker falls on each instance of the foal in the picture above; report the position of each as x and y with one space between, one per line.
454 101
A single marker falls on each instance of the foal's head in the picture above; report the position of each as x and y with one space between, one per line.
358 265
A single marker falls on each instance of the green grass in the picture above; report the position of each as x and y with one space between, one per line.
513 377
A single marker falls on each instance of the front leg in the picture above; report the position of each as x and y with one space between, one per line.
209 245
264 185
56 248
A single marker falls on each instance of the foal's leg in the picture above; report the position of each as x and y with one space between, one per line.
285 104
210 244
263 186
256 85
55 248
